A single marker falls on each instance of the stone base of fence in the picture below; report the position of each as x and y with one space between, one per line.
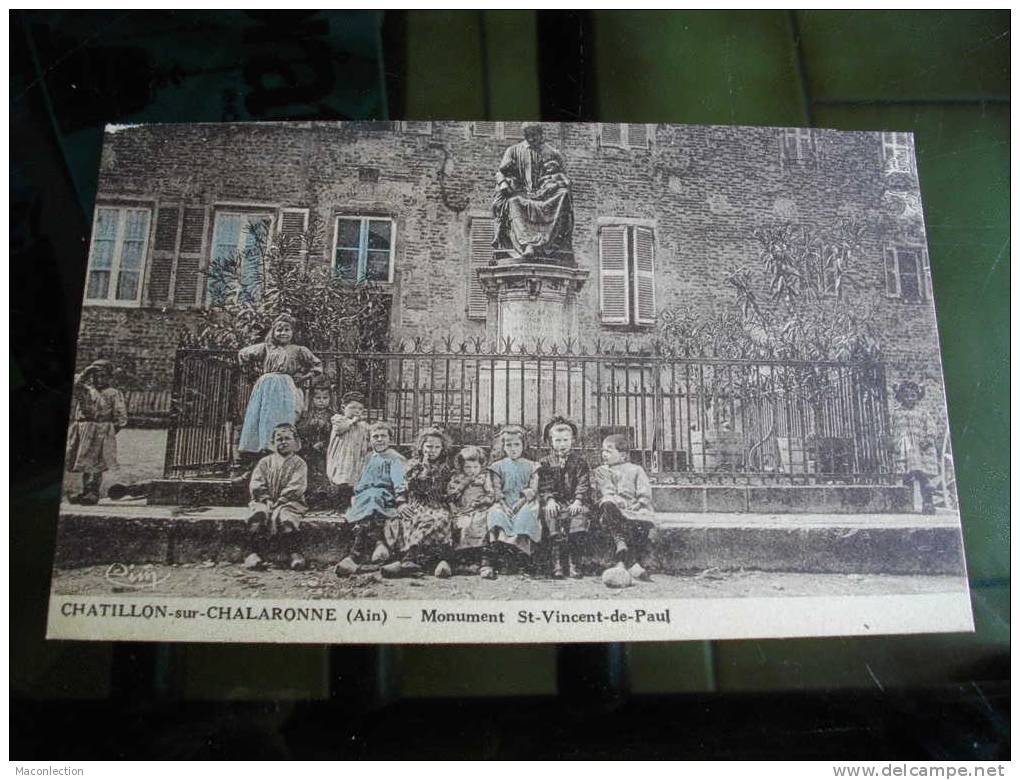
680 543
783 499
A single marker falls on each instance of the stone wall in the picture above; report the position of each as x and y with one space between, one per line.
703 189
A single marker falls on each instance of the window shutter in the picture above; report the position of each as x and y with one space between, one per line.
644 276
186 287
293 224
637 136
164 251
480 241
611 135
513 130
892 276
485 129
614 294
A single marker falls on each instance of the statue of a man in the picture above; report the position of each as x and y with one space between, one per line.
532 204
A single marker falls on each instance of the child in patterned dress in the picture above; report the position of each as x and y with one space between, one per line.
470 496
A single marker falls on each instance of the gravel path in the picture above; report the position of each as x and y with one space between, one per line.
233 581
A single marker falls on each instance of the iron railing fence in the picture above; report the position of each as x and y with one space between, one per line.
698 419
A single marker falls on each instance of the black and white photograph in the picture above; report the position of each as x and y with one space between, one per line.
498 381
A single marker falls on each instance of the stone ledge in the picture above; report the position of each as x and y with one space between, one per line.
679 542
786 499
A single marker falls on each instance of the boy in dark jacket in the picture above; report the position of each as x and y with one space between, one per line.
564 487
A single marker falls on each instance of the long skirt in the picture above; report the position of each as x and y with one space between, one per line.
519 529
424 536
91 446
275 399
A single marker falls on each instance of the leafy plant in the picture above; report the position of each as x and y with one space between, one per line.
252 288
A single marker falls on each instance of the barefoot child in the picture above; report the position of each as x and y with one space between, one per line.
374 500
513 518
275 398
314 431
470 496
916 454
348 447
564 483
99 413
277 488
624 496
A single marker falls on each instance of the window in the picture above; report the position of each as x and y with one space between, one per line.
505 130
625 136
120 239
906 273
480 255
363 249
797 146
627 275
417 128
239 243
897 156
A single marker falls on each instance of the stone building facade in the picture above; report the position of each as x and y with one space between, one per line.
409 204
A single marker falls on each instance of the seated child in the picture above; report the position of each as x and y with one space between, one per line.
314 429
552 179
470 496
513 518
277 488
348 447
374 499
624 496
564 484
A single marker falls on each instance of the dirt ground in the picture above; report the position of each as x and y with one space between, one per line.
226 580
140 452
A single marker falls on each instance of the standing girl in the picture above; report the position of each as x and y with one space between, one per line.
275 399
514 519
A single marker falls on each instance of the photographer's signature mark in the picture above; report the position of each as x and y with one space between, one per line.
123 576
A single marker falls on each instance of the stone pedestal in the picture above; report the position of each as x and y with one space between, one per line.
531 301
529 304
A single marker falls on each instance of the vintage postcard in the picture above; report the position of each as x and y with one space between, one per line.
506 382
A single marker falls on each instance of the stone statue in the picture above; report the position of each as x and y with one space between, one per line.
532 204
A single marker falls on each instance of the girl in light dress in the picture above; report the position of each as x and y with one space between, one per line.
513 518
275 398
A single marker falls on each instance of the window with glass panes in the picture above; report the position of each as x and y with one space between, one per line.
906 272
239 241
363 249
120 237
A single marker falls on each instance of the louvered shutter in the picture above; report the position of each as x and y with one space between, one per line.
513 130
644 276
892 276
164 252
484 129
186 280
637 136
293 224
611 135
614 295
480 241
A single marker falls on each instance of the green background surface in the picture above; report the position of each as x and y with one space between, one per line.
943 76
